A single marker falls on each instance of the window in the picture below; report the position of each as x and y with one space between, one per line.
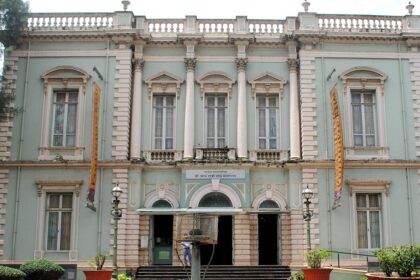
163 116
267 110
364 113
364 117
370 214
63 113
65 118
57 216
216 107
368 208
59 212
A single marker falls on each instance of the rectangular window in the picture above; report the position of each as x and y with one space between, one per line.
59 212
364 117
163 112
267 110
64 118
368 208
216 108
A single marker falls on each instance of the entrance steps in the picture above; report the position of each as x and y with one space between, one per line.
229 272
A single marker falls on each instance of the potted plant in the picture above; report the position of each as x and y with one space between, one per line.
314 259
8 273
397 262
100 273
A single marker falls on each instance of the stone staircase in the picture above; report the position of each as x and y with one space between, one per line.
266 272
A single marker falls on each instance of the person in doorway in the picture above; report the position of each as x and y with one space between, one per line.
186 250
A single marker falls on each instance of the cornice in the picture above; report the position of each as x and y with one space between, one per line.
322 164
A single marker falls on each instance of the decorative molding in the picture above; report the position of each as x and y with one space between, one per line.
138 64
164 82
190 63
361 185
209 188
267 83
216 82
241 63
162 193
269 194
363 76
293 64
65 75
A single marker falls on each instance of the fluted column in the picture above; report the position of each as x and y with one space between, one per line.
294 110
189 109
135 137
242 145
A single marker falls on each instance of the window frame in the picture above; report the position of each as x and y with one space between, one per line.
206 119
278 121
59 187
380 187
154 122
364 79
63 78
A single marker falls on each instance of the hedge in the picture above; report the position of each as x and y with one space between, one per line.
8 273
42 270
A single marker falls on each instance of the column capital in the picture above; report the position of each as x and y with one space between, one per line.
293 64
241 63
138 64
190 63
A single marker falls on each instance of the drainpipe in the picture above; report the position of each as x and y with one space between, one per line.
21 140
404 127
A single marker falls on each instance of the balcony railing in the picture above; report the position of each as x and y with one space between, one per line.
222 27
215 154
162 155
268 155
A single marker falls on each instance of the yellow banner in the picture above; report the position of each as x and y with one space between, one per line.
339 147
94 146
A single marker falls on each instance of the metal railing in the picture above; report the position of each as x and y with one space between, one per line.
367 256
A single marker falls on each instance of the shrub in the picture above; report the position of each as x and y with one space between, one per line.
42 270
123 276
8 273
401 259
316 257
386 260
297 276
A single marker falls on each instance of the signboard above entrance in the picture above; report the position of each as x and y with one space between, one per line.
215 174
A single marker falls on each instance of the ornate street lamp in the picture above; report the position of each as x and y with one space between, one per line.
116 214
307 194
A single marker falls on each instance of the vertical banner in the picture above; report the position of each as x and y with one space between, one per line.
94 154
338 146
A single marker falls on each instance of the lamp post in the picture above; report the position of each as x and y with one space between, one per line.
116 214
307 194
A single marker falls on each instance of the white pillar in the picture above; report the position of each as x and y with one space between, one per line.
135 137
294 111
189 110
242 145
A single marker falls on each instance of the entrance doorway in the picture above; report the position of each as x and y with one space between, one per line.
223 248
268 239
162 239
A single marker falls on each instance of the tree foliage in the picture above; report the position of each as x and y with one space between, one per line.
12 20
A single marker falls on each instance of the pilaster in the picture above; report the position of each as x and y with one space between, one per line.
242 246
241 63
135 136
6 127
189 123
294 110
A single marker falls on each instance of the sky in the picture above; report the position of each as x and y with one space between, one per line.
227 9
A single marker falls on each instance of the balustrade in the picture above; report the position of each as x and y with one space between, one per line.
165 26
268 155
355 23
266 26
216 26
54 21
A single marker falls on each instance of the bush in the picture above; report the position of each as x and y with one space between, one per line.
297 276
8 273
42 270
401 259
316 257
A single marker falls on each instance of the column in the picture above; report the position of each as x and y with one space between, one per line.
294 110
189 134
135 137
242 121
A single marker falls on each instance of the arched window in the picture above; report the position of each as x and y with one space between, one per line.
270 204
215 199
161 204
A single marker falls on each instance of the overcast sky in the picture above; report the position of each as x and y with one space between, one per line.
255 9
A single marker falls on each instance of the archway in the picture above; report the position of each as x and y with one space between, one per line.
223 249
268 234
162 232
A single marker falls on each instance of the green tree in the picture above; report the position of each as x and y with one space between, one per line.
12 23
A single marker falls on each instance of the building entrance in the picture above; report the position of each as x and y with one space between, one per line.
268 239
162 239
223 248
